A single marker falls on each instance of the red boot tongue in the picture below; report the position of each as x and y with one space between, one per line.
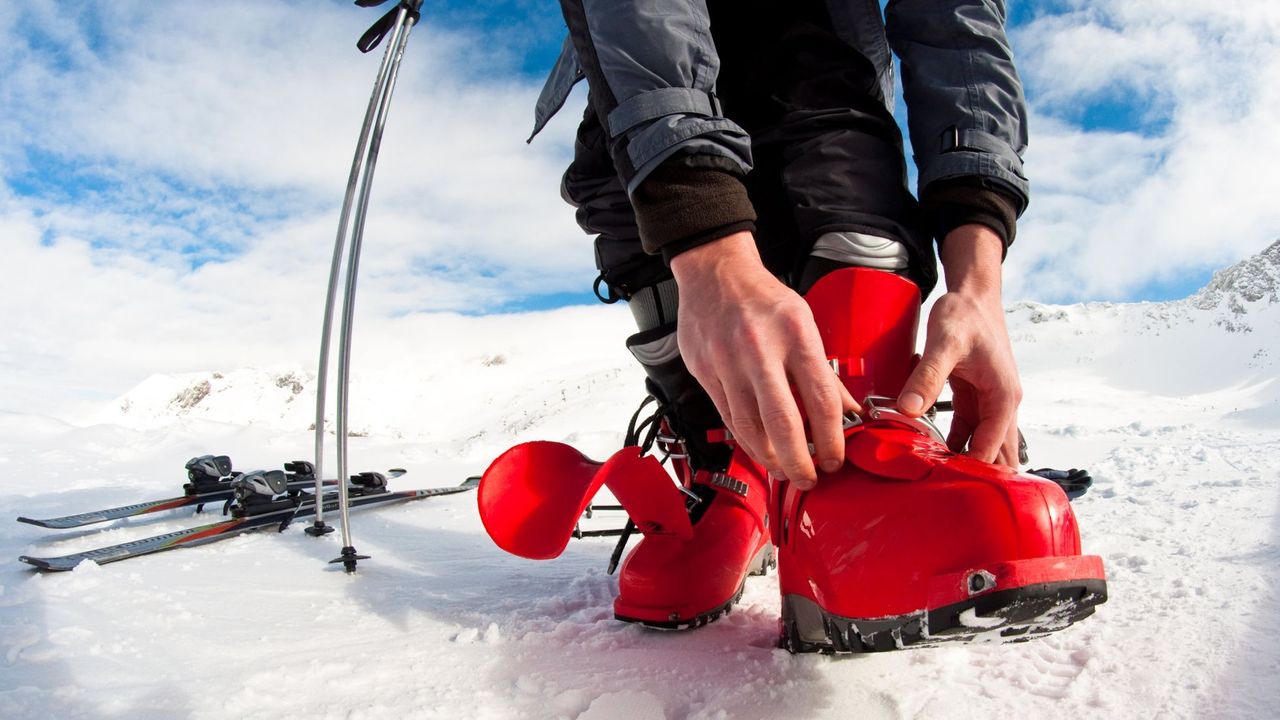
531 497
867 320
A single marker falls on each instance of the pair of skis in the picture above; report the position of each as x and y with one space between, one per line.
211 480
254 501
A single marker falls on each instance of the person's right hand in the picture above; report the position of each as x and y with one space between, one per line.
967 341
748 339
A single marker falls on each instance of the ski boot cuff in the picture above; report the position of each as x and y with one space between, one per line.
867 320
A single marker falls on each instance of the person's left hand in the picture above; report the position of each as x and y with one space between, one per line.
967 341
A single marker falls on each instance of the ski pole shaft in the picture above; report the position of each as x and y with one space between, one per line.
399 37
335 268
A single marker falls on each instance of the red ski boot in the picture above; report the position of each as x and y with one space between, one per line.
670 582
701 539
910 544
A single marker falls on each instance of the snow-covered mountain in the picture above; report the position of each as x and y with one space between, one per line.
1171 406
1225 336
1223 340
454 379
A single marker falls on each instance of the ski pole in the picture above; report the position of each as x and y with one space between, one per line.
395 24
319 527
406 14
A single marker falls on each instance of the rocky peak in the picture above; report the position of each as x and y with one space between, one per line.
1253 280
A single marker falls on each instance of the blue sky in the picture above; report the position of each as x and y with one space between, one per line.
190 157
1113 110
516 41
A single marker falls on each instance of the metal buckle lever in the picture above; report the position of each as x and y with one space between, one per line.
879 407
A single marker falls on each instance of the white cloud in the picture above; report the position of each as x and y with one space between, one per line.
229 128
1115 212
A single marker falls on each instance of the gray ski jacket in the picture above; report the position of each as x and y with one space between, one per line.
652 68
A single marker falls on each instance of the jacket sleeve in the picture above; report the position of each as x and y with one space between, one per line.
652 68
965 106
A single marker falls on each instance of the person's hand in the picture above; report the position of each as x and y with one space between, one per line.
744 336
968 342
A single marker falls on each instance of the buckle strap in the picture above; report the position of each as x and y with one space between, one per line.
658 103
727 482
954 138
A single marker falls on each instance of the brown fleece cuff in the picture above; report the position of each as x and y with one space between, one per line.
687 202
967 200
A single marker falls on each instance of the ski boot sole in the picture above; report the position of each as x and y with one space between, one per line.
1002 616
765 558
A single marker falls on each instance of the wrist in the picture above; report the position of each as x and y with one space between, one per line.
972 260
732 253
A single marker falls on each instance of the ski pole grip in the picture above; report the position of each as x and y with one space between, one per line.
374 35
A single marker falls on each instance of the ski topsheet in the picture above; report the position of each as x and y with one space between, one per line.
229 528
96 516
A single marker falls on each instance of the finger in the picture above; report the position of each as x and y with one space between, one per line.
749 429
924 385
1008 454
718 398
847 403
785 430
716 392
993 429
959 434
824 405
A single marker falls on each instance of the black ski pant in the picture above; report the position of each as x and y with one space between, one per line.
828 156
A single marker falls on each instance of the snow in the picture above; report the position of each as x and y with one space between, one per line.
1174 408
970 618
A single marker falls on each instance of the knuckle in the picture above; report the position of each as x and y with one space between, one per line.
697 366
930 374
796 320
749 426
779 420
1016 393
825 398
947 337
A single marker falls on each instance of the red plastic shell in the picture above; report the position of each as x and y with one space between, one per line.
905 523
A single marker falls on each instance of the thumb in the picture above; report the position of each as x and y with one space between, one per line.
924 385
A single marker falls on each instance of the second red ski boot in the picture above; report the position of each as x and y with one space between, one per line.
672 583
702 535
909 543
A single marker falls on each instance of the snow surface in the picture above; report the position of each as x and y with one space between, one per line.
1173 407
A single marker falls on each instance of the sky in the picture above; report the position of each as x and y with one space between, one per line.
171 173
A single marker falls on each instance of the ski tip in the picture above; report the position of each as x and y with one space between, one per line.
38 563
31 521
471 482
395 472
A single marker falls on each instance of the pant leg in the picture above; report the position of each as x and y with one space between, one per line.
645 282
830 168
591 184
